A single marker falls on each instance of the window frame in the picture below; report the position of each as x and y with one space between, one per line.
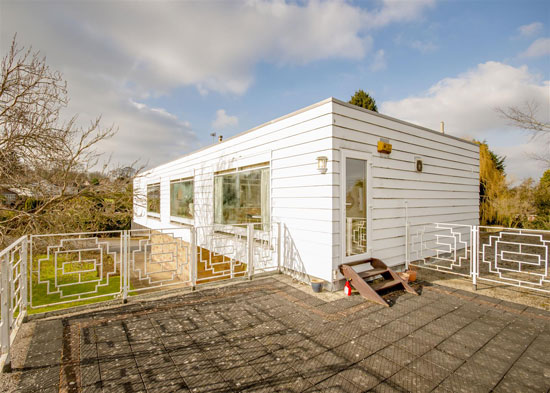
178 219
237 171
152 213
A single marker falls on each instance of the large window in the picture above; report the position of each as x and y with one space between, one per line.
181 198
242 197
153 198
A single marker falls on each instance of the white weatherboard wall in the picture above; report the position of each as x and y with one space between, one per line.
447 189
301 197
308 203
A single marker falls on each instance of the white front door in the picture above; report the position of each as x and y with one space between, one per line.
355 196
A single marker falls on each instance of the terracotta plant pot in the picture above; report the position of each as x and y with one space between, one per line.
409 275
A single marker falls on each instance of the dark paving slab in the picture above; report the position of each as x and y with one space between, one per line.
268 336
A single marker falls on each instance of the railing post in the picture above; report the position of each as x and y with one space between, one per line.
407 245
124 269
279 247
24 276
5 314
475 256
250 249
193 258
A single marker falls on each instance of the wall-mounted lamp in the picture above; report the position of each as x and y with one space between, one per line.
322 164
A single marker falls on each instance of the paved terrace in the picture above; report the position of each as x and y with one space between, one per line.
267 335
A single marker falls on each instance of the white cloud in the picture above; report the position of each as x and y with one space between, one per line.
467 103
223 120
379 61
151 135
116 55
540 47
398 11
530 29
213 46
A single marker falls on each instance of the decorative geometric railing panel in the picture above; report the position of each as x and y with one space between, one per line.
73 267
518 257
265 248
158 258
221 252
442 247
356 228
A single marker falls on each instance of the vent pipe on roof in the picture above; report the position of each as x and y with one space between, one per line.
220 138
442 127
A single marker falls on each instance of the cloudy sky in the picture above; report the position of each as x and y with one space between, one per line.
170 73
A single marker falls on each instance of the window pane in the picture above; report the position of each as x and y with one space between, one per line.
181 199
356 206
242 197
153 198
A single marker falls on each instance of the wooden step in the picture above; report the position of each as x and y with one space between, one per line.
385 284
373 272
365 288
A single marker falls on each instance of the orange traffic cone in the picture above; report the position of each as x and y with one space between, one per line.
347 289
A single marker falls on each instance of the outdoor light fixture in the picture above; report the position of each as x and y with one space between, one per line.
384 146
322 164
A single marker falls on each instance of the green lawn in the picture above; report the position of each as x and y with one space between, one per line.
110 288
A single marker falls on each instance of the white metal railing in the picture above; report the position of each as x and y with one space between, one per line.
72 269
13 293
509 256
442 247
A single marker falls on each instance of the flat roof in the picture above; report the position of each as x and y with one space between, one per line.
327 100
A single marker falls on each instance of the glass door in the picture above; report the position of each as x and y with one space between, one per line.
355 207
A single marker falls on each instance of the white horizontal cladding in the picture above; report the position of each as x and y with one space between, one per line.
307 158
398 146
397 157
391 242
327 214
325 191
398 137
226 155
422 194
312 180
344 109
303 170
257 137
424 211
316 146
311 202
445 175
461 218
385 203
314 239
431 168
392 258
388 233
312 225
413 185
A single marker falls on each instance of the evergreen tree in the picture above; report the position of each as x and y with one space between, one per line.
364 100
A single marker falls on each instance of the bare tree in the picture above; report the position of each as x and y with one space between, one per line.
526 117
43 158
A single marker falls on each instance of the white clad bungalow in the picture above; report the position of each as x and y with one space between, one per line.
352 206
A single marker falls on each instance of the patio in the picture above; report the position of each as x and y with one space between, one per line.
272 334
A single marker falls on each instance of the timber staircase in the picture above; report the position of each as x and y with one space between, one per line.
370 291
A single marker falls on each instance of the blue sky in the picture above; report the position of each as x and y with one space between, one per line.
170 73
